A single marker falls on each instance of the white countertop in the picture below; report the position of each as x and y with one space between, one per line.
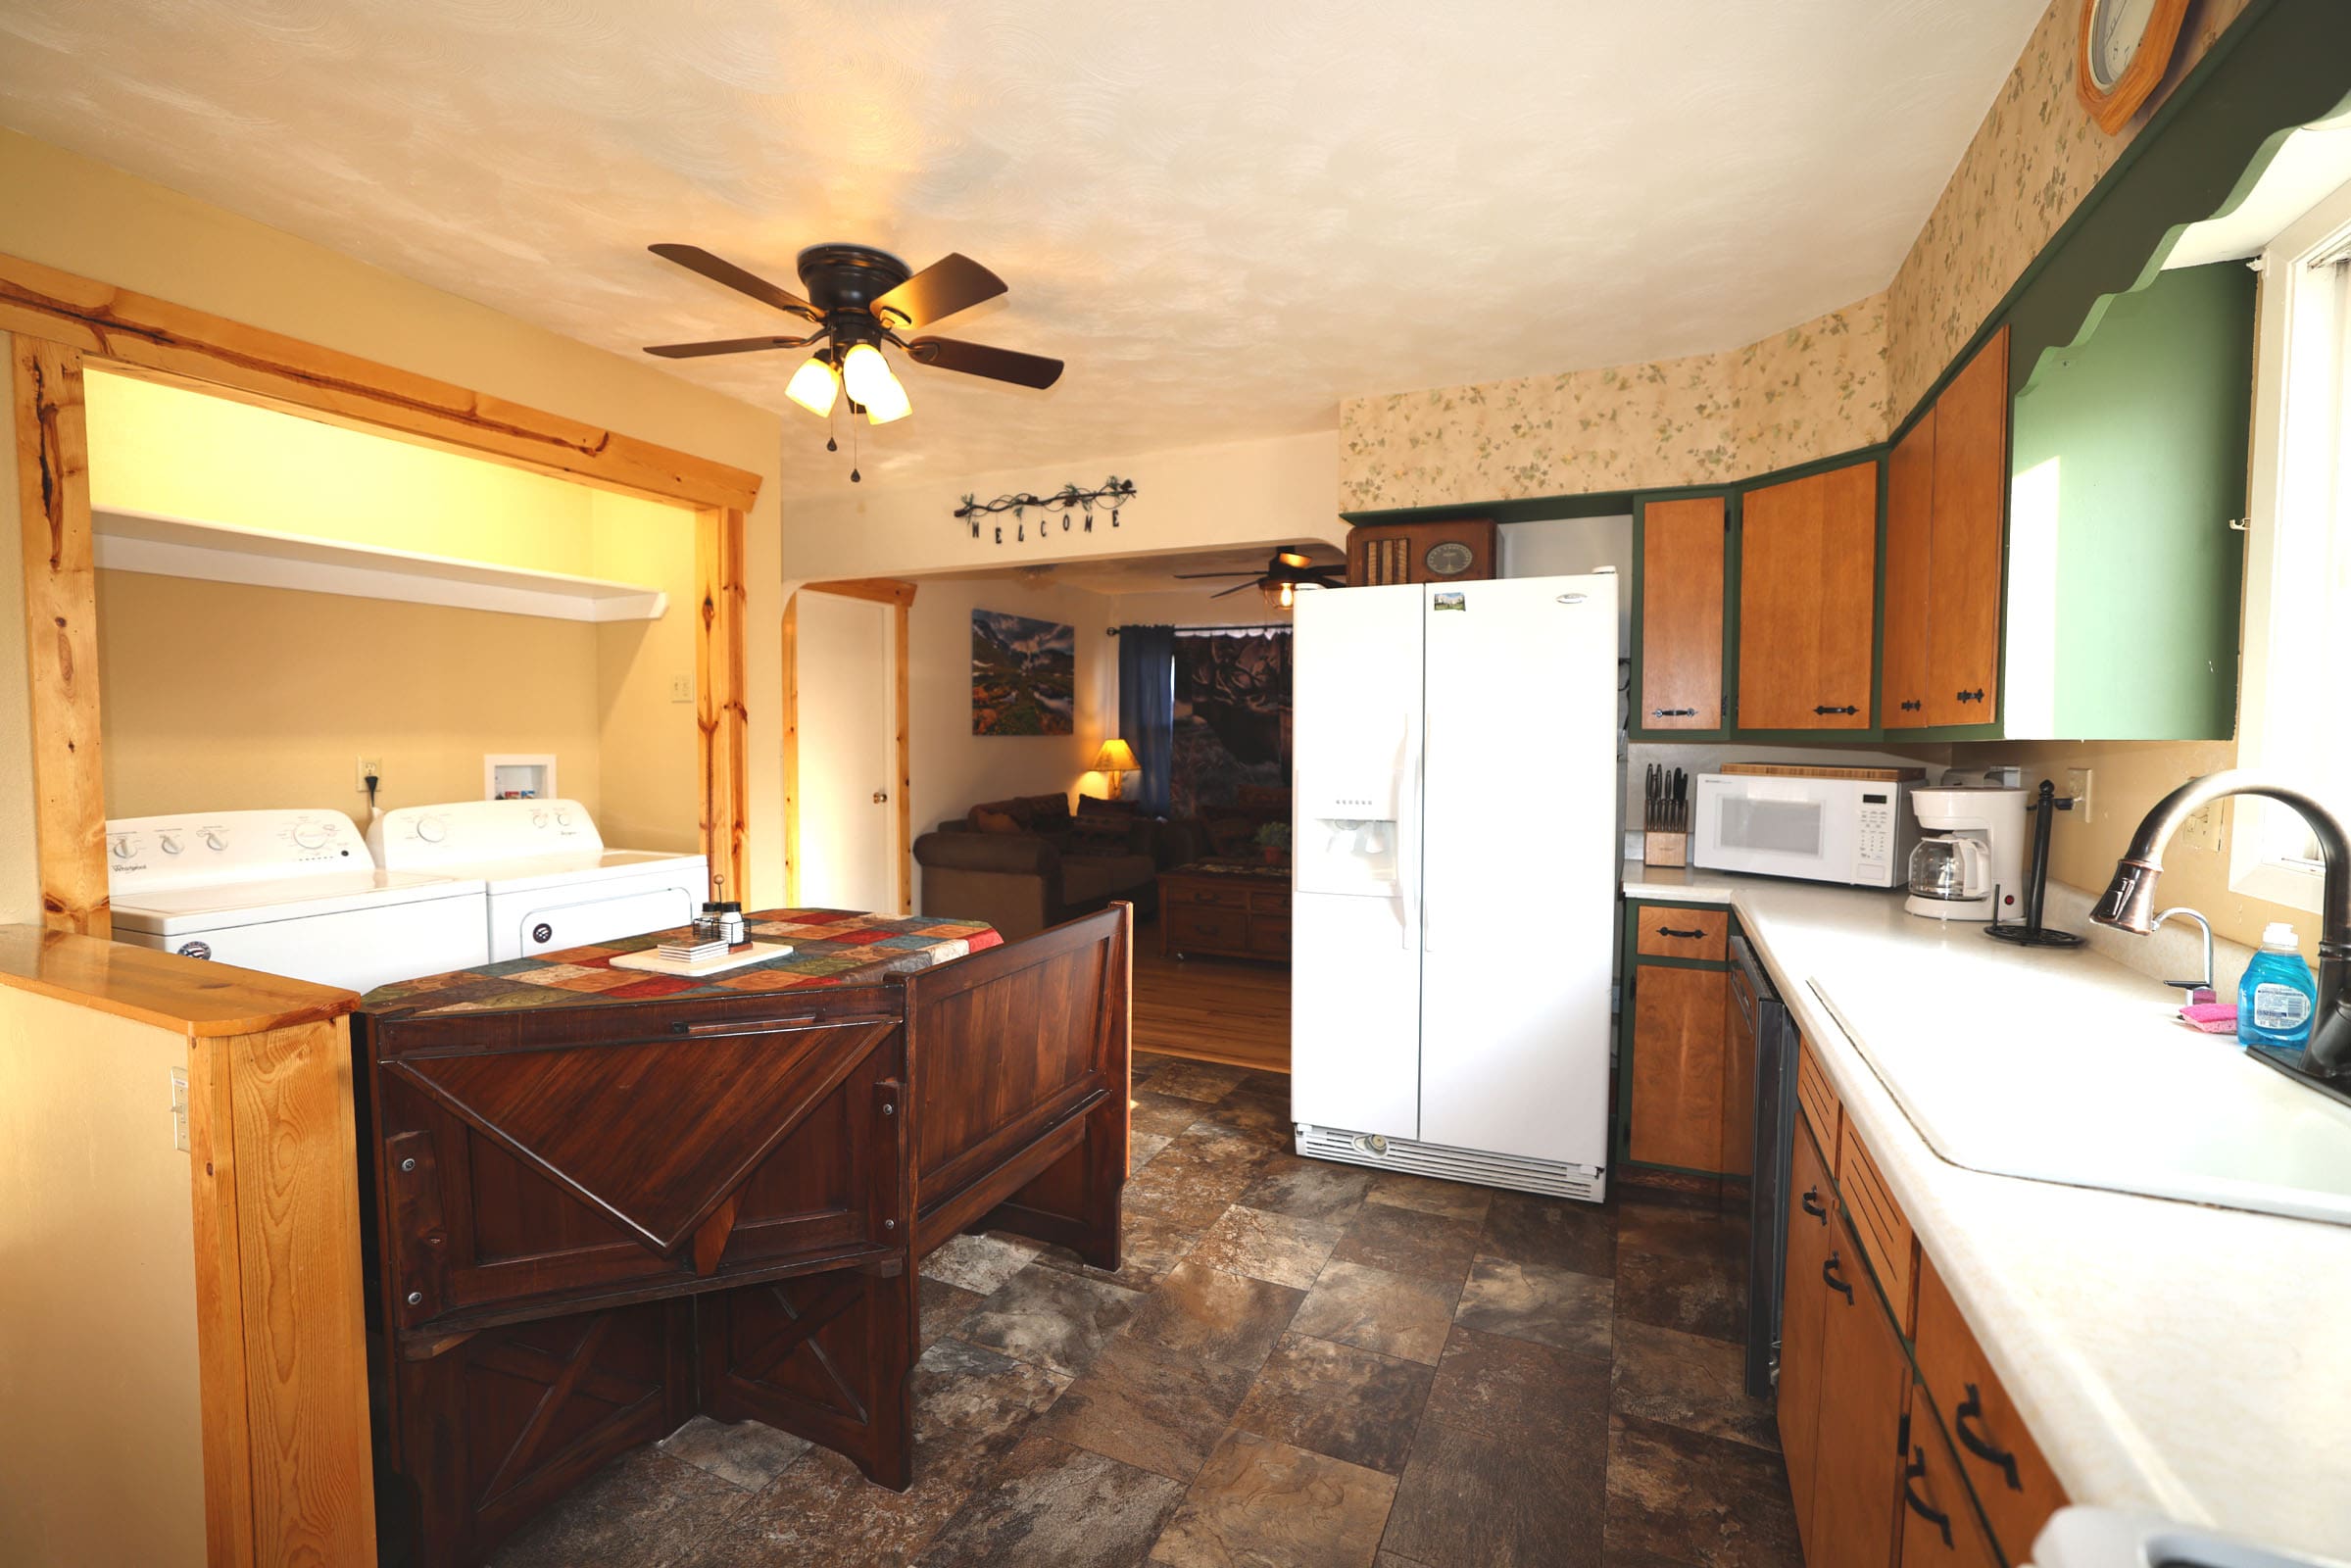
2190 1360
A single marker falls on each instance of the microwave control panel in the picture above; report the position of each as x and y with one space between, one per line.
1874 832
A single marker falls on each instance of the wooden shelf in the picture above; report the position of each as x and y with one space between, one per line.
220 552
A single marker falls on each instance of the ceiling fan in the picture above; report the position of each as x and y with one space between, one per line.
1284 576
859 299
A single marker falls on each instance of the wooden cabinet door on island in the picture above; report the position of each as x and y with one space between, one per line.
1682 614
1808 600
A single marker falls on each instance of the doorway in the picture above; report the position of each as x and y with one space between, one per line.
848 670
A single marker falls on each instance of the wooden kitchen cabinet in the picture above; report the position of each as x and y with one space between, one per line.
1678 1067
1680 609
1808 600
1811 1227
1946 501
1941 1527
1864 1388
1996 1453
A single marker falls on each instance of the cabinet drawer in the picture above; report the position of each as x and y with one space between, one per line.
1999 1459
1194 892
1270 935
1939 1527
1877 1222
1273 903
1669 933
1820 1107
1205 927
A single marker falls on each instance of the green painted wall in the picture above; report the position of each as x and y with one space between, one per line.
2148 423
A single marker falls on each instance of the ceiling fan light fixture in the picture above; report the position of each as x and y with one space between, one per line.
814 385
869 381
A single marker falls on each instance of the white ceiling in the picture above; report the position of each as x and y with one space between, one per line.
1226 215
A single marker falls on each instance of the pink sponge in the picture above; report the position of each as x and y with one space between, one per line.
2213 1018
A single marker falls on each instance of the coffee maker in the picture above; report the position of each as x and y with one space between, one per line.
1969 862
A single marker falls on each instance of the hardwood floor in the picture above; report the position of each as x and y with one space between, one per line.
1229 1011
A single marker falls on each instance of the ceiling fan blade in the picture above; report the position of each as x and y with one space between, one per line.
694 259
727 345
1251 574
978 359
954 282
1234 589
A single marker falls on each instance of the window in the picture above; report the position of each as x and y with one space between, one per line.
2298 561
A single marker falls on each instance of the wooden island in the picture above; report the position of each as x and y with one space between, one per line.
601 1201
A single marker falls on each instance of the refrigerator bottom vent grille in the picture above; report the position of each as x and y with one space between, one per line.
1514 1171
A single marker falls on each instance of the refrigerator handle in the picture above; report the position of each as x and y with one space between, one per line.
1407 835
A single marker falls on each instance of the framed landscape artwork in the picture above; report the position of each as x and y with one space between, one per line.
1024 675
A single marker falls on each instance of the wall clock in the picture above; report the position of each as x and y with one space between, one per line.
1448 557
2125 47
1432 550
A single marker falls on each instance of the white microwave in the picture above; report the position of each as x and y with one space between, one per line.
1855 831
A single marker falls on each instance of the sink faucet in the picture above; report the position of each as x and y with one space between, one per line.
2197 989
2130 900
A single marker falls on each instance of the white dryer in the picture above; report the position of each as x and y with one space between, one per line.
549 882
288 892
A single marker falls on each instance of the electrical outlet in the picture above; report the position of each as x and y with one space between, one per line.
359 775
681 688
2202 830
179 1109
2077 783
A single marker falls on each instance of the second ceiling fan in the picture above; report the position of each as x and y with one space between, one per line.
1284 576
859 299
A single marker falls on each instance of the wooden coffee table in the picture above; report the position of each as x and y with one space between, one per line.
1226 909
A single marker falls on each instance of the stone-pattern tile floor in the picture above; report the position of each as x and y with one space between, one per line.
1299 1364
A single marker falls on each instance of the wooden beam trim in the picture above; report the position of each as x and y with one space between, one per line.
721 717
61 635
880 590
791 750
144 334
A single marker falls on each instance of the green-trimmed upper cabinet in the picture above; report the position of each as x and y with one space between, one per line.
2124 572
1681 605
1808 600
1945 496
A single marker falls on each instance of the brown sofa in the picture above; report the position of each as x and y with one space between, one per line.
1025 863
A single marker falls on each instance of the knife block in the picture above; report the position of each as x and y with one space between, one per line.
1665 846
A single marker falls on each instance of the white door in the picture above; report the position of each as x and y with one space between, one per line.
848 755
1354 971
1519 861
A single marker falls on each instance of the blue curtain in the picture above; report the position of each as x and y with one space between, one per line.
1147 710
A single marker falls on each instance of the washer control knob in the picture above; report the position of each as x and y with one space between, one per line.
170 845
538 819
122 848
431 830
309 836
562 819
215 839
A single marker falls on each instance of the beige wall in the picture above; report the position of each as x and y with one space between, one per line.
954 768
651 781
100 1449
81 215
222 697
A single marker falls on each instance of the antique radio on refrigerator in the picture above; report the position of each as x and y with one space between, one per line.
1450 550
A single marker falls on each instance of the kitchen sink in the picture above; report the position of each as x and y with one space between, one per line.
2097 1087
2108 1537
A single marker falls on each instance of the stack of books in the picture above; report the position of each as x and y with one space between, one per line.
686 950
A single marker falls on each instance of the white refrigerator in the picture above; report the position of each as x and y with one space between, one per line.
1455 848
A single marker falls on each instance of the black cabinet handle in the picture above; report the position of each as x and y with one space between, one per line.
1847 708
1919 1505
1811 1204
1914 704
1829 1276
1683 936
1672 712
1971 1415
1974 696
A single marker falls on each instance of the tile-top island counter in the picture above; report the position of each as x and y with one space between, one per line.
603 1199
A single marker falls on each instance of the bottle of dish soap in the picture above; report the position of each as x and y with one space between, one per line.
2276 997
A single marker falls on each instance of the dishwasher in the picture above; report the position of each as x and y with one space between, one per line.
1759 1099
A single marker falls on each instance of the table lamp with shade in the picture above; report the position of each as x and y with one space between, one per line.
1116 759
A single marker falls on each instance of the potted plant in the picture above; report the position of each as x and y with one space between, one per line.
1273 842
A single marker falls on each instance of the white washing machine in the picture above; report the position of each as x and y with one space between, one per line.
293 893
549 881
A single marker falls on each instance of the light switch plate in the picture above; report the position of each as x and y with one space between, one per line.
2077 785
681 688
179 1109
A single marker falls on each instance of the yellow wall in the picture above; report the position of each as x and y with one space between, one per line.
222 697
652 786
101 1443
78 215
